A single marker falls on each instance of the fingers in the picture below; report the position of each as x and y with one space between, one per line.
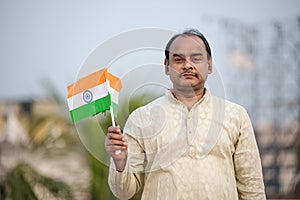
115 141
114 129
114 136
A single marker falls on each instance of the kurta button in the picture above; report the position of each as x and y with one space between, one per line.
192 152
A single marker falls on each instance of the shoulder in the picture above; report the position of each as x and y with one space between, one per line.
228 105
147 119
229 110
153 106
149 112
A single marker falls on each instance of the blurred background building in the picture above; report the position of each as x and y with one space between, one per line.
265 77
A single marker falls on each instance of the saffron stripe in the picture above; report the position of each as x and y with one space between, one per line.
87 82
114 82
92 80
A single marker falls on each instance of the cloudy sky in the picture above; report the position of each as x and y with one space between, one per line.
49 40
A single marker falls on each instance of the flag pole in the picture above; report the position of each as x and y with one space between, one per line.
112 116
114 124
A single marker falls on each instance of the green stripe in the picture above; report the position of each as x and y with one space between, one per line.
92 108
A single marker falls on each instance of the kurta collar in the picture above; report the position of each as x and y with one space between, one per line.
172 98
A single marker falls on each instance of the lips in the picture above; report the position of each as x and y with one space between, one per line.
188 74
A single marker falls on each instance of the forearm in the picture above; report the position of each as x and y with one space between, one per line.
120 164
123 184
247 162
125 178
249 176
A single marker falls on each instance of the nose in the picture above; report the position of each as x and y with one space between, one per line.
187 65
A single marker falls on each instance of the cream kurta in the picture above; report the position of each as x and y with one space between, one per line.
208 152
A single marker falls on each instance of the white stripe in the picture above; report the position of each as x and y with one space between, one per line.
114 95
98 92
77 100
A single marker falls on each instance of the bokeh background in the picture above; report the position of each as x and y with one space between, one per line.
256 51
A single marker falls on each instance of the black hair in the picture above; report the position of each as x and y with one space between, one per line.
194 32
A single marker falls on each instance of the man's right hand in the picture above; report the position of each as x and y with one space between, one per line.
116 146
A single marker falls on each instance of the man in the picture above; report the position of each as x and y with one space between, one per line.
186 144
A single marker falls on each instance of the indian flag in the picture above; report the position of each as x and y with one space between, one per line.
93 94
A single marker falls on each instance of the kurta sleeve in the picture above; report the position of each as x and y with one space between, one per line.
247 162
126 184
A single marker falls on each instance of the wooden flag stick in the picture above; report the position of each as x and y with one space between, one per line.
112 116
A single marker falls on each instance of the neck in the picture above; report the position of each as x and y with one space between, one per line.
188 97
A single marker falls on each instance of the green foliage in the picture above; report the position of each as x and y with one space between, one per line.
23 182
18 187
93 138
99 186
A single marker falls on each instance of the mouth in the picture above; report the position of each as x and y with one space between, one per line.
188 75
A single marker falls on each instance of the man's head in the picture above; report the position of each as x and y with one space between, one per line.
188 60
188 32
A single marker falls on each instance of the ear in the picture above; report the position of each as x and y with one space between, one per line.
166 63
209 63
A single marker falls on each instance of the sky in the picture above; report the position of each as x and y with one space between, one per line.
48 41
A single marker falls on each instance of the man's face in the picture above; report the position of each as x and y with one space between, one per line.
188 65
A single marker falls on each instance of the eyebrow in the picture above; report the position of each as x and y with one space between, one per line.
197 54
182 55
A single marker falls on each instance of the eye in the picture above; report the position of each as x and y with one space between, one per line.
178 59
197 59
